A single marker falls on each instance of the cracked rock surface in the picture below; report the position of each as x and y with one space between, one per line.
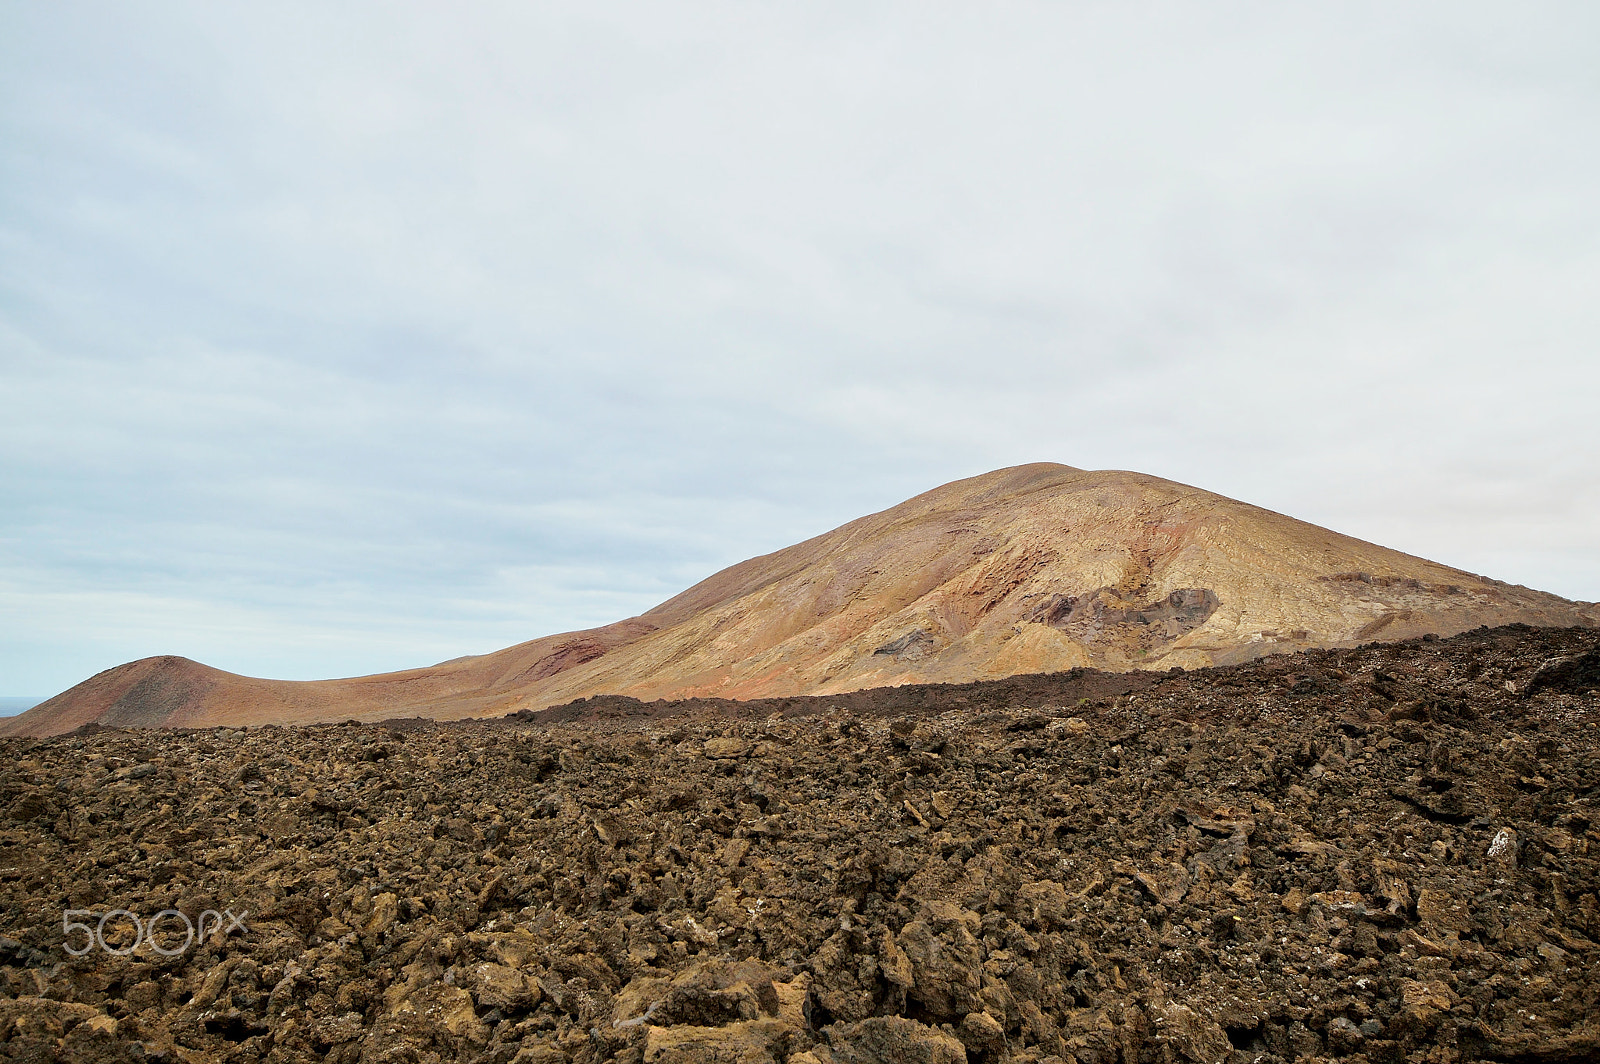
1386 854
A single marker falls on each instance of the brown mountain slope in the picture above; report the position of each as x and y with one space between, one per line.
1035 568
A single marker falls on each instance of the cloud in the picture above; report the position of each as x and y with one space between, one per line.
392 328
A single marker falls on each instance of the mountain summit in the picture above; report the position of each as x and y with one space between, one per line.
1035 568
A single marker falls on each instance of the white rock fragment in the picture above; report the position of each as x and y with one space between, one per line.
1504 846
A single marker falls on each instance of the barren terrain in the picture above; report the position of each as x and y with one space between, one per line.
1385 853
1036 568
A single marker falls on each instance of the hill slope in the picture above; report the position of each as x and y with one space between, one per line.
1034 568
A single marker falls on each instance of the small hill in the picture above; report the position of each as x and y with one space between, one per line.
1035 568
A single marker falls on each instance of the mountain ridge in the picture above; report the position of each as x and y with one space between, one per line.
1033 568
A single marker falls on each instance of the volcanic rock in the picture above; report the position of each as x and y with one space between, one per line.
1215 867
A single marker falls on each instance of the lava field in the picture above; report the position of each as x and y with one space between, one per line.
1388 853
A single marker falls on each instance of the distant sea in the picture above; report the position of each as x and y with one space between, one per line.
10 706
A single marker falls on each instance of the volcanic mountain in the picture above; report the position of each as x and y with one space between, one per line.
1035 568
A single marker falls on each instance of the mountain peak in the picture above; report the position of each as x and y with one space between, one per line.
1032 568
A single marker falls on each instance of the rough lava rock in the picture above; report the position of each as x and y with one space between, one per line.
1382 854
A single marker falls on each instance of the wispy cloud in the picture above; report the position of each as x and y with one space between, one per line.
341 338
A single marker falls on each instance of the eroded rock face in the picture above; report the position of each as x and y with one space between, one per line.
1106 616
1386 854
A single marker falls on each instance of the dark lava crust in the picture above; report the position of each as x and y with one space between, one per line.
1382 854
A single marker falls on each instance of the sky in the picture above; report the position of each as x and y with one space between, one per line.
344 338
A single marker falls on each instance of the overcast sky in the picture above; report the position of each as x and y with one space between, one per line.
337 338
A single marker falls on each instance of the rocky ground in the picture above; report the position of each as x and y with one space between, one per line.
1387 853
